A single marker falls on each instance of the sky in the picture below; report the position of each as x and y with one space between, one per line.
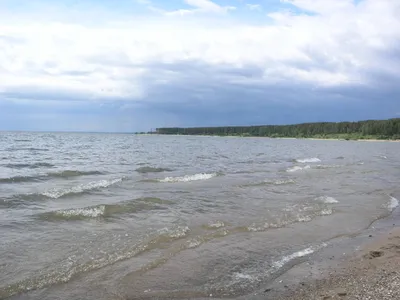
133 65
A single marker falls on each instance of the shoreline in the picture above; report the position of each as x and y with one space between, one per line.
362 266
274 138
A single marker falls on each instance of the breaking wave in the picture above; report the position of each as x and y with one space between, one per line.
250 276
393 203
58 193
152 170
305 252
215 225
382 156
107 210
281 182
270 182
327 200
308 160
297 168
293 215
76 213
188 178
328 166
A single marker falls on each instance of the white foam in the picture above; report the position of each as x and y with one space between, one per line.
283 182
241 276
217 224
326 212
308 160
297 168
188 178
304 219
193 243
57 193
310 250
177 232
393 203
91 212
328 166
327 200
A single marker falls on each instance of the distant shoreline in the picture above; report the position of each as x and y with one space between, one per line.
276 138
361 130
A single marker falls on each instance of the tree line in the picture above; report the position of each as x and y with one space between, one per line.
370 129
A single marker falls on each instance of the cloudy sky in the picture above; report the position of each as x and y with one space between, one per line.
130 65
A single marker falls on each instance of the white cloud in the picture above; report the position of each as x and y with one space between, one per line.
254 7
341 44
205 5
200 6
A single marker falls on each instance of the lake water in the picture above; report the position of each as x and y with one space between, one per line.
118 216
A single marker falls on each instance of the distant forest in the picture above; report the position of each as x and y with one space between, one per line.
371 129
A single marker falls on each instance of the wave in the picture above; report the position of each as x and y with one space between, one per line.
308 160
199 240
327 200
382 156
29 166
27 149
327 166
393 203
297 168
152 170
73 173
281 182
304 214
58 193
305 252
20 179
270 182
76 214
214 225
188 178
105 210
69 268
63 174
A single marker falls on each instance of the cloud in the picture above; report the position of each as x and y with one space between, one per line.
254 7
195 7
176 71
200 6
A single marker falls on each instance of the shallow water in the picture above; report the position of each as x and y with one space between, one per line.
111 216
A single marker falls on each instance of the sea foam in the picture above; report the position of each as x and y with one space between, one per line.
302 253
327 200
58 193
188 178
393 203
88 212
297 168
308 160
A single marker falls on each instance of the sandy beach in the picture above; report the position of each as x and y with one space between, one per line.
365 266
372 273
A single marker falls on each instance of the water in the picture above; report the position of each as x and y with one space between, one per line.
115 216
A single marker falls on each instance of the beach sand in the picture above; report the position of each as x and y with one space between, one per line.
372 273
362 266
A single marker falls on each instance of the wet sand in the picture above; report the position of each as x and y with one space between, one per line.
364 266
373 273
